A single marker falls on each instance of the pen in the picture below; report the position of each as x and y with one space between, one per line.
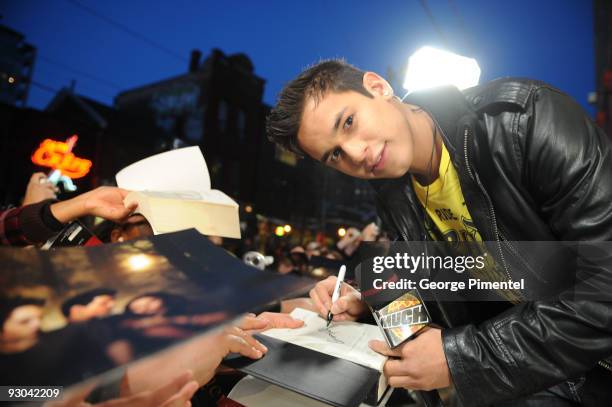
336 293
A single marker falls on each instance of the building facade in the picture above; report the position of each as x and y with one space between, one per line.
16 64
217 104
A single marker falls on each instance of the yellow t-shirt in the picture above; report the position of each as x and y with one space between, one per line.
445 204
447 209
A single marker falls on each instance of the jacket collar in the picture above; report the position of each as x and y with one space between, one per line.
447 106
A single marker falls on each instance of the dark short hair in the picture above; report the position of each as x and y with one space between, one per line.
336 75
8 305
174 304
85 298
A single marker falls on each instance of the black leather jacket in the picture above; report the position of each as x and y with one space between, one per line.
532 167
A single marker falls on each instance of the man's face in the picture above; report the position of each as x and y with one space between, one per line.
147 305
100 306
22 323
360 136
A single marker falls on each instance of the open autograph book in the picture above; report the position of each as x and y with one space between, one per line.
333 365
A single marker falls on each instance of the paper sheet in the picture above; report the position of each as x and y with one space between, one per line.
183 169
346 340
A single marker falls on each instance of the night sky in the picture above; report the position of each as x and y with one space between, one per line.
550 40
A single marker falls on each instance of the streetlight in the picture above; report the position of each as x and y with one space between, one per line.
430 67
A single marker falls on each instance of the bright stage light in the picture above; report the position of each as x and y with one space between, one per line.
430 67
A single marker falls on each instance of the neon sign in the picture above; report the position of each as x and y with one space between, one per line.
58 156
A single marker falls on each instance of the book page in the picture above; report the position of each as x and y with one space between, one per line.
173 211
182 195
183 169
218 197
211 196
345 340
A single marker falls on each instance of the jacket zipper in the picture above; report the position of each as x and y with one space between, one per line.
466 133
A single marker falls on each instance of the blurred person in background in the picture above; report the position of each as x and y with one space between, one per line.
135 226
96 303
20 320
61 356
157 303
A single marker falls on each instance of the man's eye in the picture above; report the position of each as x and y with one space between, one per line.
349 122
335 155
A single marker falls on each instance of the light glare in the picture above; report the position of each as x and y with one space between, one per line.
430 67
139 262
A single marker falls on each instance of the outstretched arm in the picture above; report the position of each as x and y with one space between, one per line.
35 223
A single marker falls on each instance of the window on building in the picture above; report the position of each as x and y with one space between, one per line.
222 115
241 125
194 126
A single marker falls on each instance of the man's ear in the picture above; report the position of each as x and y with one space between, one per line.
377 85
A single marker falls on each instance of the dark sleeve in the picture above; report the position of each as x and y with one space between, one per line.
29 224
537 344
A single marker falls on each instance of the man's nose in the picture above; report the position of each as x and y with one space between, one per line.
356 150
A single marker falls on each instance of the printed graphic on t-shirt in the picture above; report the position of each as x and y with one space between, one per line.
444 202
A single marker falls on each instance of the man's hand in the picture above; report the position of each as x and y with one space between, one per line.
348 307
176 393
39 188
105 202
421 364
268 320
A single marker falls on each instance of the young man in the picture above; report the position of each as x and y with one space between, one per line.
510 160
